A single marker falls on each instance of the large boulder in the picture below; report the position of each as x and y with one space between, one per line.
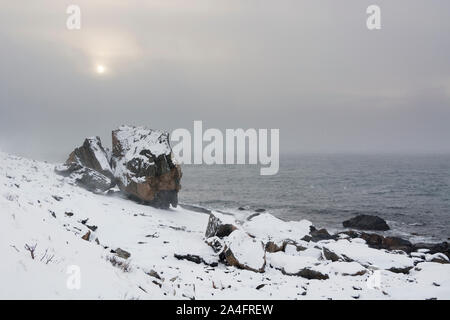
366 222
143 166
244 252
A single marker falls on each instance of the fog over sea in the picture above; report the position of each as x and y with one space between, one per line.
411 192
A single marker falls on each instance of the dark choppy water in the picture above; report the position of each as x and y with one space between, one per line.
411 192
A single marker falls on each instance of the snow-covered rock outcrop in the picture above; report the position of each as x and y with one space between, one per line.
140 163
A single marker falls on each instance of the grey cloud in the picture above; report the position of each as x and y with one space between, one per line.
310 68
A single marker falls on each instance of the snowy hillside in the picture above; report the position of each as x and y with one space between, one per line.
73 229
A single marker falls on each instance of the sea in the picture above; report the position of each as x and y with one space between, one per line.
411 192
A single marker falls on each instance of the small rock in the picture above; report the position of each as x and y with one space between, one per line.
329 255
93 228
122 253
86 236
194 258
260 210
308 274
396 243
69 214
154 274
272 247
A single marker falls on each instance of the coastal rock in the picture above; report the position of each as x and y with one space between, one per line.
143 166
396 243
366 222
244 252
438 258
370 257
433 248
219 225
85 177
92 155
318 235
311 274
377 241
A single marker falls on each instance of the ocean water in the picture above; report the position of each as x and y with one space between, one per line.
411 192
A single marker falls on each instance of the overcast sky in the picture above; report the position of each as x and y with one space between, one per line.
310 68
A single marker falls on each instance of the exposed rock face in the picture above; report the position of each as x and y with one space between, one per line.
366 222
433 248
321 234
396 243
92 155
88 166
311 274
143 166
330 255
219 225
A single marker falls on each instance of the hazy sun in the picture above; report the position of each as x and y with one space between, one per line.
100 69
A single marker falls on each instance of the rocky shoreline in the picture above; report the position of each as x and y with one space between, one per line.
127 250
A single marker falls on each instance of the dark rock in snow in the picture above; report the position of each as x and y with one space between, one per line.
308 274
260 210
400 270
330 255
122 253
272 247
217 227
86 236
154 274
93 228
433 248
250 217
194 258
396 243
322 234
366 222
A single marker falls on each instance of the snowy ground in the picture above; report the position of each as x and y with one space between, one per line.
39 208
